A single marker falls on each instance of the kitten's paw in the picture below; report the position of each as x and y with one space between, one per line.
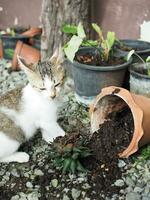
47 138
23 157
61 132
20 157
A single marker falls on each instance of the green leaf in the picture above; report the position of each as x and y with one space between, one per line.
75 149
9 52
80 167
75 156
73 166
66 164
110 39
89 43
85 154
148 59
67 150
97 28
130 54
80 31
72 47
70 29
148 72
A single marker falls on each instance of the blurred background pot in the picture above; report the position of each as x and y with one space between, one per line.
139 79
9 43
35 36
142 48
29 53
114 99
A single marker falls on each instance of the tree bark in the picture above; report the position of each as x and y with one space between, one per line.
56 13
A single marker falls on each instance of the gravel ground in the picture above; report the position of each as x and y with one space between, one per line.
29 176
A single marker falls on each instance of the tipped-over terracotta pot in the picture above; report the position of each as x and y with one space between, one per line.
29 53
113 99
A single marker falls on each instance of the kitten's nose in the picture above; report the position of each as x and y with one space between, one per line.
53 94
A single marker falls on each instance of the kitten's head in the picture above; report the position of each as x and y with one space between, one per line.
48 76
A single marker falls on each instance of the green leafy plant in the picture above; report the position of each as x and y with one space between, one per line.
9 31
105 44
78 38
68 157
146 62
144 155
9 52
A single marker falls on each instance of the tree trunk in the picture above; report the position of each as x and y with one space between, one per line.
56 13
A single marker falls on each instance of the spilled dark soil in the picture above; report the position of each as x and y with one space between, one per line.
112 138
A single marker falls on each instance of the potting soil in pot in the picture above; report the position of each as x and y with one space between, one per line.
113 137
96 60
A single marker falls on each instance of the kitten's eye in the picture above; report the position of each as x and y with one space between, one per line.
57 84
42 88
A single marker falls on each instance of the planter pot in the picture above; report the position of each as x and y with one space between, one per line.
29 53
9 44
89 80
139 83
113 99
35 36
142 48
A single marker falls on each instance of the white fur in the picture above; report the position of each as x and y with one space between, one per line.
7 145
38 111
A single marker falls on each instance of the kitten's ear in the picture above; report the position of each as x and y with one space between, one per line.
53 59
60 58
23 64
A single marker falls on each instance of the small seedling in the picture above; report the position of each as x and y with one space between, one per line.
132 52
68 157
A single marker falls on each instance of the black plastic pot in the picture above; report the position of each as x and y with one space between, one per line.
139 82
89 80
9 44
142 48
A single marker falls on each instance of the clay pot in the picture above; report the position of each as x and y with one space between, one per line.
30 54
113 99
32 32
1 50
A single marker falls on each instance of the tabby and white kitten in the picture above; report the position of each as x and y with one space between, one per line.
24 110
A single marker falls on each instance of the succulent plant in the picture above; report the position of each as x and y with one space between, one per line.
68 157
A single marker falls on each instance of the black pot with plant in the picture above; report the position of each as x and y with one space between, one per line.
94 63
9 38
140 75
142 48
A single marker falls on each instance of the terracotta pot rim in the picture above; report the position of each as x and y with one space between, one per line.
17 52
33 31
137 113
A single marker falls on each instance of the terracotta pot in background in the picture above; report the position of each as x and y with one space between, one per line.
113 99
32 33
1 50
29 53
